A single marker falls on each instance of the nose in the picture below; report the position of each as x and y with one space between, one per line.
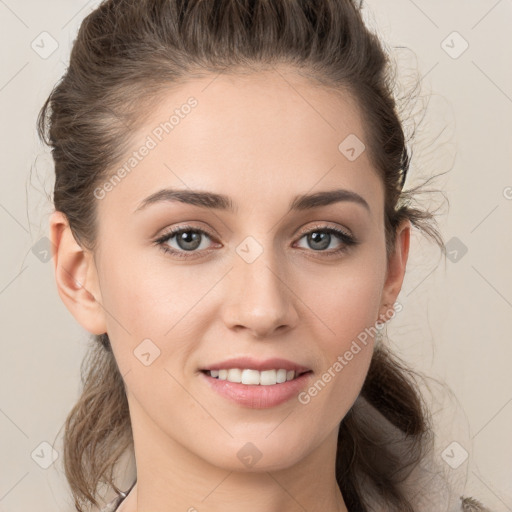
259 298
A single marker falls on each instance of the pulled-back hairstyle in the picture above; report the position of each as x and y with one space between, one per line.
125 53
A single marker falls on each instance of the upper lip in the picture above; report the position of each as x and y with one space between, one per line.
274 363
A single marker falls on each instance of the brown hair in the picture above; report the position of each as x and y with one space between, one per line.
126 52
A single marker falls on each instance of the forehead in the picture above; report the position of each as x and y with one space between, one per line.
259 137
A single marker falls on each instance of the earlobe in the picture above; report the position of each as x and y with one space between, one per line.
76 276
396 269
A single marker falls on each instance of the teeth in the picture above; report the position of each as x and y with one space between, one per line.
254 377
234 375
281 376
250 376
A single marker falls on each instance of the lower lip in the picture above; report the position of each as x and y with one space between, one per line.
258 396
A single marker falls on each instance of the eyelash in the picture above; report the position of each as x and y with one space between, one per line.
346 239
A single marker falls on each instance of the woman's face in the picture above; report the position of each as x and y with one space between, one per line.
248 282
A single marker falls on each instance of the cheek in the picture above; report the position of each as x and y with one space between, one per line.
346 353
347 311
156 302
349 301
149 298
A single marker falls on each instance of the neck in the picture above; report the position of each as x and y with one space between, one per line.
171 478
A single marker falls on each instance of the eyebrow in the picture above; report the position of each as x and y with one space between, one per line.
215 201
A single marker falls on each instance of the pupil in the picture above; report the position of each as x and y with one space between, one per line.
314 236
189 237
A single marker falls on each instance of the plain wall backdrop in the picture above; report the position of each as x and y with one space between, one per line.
456 318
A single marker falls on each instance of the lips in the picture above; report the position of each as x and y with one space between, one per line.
257 397
250 363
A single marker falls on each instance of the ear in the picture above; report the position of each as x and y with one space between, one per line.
76 276
396 270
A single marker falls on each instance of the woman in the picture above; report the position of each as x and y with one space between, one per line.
231 226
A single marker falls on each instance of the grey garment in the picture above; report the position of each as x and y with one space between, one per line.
468 504
471 505
114 504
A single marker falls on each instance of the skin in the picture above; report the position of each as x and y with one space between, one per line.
261 139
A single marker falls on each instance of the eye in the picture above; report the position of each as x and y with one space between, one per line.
187 238
321 236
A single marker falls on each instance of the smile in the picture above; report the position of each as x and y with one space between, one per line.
254 377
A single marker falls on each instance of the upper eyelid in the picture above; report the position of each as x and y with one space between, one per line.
319 225
172 232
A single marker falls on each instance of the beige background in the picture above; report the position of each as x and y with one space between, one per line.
457 313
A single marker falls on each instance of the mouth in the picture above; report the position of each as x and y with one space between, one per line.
252 377
255 389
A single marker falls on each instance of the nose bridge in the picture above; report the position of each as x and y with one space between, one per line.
259 296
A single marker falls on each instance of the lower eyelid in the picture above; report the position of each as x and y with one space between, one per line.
344 238
165 238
